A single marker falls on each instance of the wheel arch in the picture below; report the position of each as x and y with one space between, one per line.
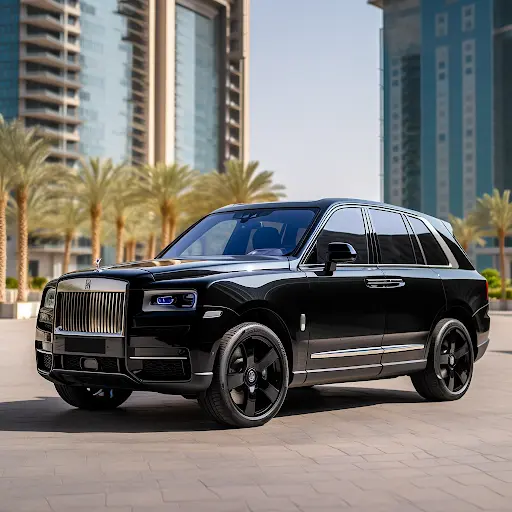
262 313
462 312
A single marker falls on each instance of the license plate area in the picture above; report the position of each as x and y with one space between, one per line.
85 345
89 345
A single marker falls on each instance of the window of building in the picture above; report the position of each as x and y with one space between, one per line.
431 248
469 71
442 137
468 18
442 76
394 240
442 24
345 225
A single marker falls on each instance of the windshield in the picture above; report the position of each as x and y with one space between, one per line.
271 232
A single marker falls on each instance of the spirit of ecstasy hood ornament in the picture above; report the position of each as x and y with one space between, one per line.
98 261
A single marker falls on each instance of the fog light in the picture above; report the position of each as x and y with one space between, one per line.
90 364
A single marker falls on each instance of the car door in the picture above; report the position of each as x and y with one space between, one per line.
345 319
413 292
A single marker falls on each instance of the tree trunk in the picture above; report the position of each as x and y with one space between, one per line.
3 246
67 252
151 247
130 250
21 200
173 223
120 223
501 238
95 233
164 239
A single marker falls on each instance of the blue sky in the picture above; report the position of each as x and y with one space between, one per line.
315 96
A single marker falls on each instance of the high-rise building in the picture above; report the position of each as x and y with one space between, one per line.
447 105
140 81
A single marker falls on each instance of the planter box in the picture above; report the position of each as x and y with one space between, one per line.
19 310
499 305
11 296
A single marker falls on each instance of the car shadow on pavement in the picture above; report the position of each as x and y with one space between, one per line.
158 413
509 352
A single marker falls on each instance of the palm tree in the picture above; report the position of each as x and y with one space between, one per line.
467 231
120 205
6 186
239 183
25 152
162 187
65 222
494 213
97 184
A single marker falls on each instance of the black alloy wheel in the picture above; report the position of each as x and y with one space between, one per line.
449 365
250 377
92 399
455 361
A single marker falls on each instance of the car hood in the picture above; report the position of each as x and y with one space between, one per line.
162 269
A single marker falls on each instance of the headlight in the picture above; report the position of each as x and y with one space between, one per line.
49 298
173 300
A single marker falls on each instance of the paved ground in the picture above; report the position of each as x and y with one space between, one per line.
361 447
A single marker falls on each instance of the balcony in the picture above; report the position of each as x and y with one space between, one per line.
232 140
50 5
53 133
62 151
58 247
234 105
43 21
42 57
232 86
232 122
43 95
50 114
47 77
44 40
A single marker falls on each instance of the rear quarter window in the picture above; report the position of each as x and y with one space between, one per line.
431 248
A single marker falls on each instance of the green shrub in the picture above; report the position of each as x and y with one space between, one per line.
493 277
11 283
38 283
495 293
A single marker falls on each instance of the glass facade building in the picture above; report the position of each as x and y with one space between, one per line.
197 89
138 81
105 77
9 57
447 103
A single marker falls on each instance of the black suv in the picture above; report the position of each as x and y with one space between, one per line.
255 299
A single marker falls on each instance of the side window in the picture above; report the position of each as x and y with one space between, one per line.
433 252
345 225
394 240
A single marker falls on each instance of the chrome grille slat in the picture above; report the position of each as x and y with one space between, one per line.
91 312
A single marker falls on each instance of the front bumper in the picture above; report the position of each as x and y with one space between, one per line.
172 359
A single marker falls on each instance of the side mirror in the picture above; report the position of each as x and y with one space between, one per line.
339 252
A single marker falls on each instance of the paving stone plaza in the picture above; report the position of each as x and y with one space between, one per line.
359 447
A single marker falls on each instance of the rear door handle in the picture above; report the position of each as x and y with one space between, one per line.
384 283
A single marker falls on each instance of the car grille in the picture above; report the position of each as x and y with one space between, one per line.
91 312
164 370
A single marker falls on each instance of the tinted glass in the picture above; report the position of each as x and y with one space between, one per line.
345 225
255 232
433 252
394 240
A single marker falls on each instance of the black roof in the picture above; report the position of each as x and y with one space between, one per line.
319 203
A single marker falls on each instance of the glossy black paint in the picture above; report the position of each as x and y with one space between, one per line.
341 312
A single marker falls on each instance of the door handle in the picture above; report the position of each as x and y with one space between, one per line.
384 283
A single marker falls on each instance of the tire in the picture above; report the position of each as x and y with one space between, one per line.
447 378
92 399
245 390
